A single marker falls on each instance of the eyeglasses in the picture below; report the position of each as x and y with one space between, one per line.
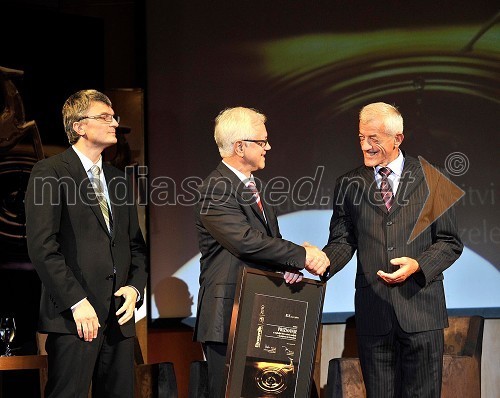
261 143
106 117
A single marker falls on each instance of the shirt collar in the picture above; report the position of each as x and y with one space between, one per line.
396 165
86 162
244 179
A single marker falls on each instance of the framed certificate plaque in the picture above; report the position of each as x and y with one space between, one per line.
273 336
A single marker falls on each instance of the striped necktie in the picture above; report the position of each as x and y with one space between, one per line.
385 187
101 198
253 188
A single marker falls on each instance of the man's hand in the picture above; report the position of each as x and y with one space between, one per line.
316 260
407 266
292 277
86 320
128 307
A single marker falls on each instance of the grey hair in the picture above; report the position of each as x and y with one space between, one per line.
234 124
393 121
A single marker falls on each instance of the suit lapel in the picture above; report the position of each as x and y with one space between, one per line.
82 181
373 193
270 220
243 192
271 224
411 178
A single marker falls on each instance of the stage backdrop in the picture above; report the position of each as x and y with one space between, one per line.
310 67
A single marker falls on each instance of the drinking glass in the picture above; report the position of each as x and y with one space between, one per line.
7 333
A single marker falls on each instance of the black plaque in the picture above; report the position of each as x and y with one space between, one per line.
273 336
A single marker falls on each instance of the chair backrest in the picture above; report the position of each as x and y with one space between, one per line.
464 336
198 380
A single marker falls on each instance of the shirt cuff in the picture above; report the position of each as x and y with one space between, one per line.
138 294
76 305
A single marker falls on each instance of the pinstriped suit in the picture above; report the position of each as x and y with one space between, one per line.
361 223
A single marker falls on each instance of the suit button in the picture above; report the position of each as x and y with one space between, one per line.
113 244
390 248
389 223
109 277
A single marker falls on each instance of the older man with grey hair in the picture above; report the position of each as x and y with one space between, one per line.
236 229
399 303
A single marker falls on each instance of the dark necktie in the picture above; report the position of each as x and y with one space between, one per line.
253 188
101 198
385 187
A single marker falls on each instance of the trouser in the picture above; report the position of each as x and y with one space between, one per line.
402 364
215 354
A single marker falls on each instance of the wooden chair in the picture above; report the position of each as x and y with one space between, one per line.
151 380
463 342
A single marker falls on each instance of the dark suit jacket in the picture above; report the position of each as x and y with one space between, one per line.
70 246
232 233
361 222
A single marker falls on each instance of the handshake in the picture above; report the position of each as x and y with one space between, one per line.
316 260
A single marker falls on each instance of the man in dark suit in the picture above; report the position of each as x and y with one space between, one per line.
399 301
85 242
236 228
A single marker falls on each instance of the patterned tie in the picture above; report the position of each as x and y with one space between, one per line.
385 187
101 198
253 188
